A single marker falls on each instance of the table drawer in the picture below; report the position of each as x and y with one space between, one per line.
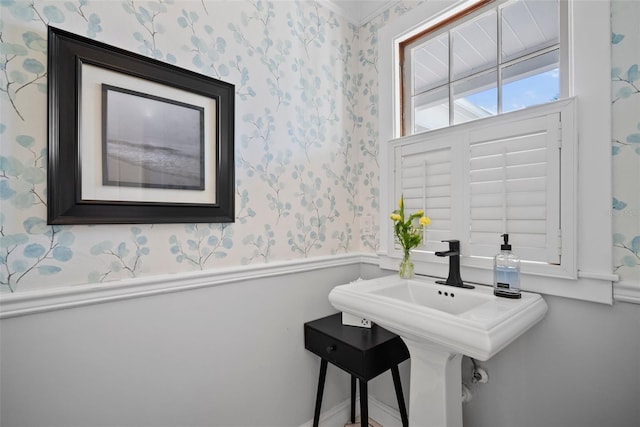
334 351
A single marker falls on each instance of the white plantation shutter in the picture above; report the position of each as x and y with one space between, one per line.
481 180
513 188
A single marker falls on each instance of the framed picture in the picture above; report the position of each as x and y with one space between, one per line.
135 140
161 139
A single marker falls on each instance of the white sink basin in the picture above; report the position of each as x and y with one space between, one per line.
422 294
439 324
472 322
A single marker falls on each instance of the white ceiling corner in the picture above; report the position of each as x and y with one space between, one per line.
359 11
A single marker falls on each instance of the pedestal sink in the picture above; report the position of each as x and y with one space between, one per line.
439 324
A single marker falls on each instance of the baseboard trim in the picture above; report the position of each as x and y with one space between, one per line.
384 414
338 415
38 301
333 417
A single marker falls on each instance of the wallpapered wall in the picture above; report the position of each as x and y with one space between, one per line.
306 147
306 136
625 109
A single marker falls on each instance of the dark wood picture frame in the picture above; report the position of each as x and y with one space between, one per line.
68 53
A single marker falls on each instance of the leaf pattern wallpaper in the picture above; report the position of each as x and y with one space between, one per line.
625 109
306 136
306 146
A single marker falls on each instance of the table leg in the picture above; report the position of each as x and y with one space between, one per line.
398 386
323 374
364 404
353 399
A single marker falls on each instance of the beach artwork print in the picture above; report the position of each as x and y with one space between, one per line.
151 142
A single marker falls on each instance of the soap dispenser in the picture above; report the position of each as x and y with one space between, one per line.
506 272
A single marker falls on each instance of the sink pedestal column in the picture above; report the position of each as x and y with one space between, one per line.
435 394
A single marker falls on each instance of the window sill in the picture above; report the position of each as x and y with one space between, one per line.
590 286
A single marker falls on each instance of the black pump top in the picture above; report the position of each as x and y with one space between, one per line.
505 246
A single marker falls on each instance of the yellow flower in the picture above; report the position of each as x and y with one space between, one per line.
407 233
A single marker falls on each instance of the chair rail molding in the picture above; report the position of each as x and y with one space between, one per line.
627 291
38 301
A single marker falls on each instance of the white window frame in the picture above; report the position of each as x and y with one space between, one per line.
495 5
588 77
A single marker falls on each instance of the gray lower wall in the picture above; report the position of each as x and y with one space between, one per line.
229 355
233 355
579 367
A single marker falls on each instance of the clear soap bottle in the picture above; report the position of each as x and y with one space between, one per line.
506 272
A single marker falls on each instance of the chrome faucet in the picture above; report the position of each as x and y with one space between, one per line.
453 253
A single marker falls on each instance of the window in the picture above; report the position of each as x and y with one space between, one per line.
492 58
518 169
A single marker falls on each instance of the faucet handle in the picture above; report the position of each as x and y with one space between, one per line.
454 244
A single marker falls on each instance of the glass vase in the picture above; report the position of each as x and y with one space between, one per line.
406 267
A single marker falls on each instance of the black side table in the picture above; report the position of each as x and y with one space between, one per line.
364 353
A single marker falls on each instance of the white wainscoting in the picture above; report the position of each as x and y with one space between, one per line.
184 349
